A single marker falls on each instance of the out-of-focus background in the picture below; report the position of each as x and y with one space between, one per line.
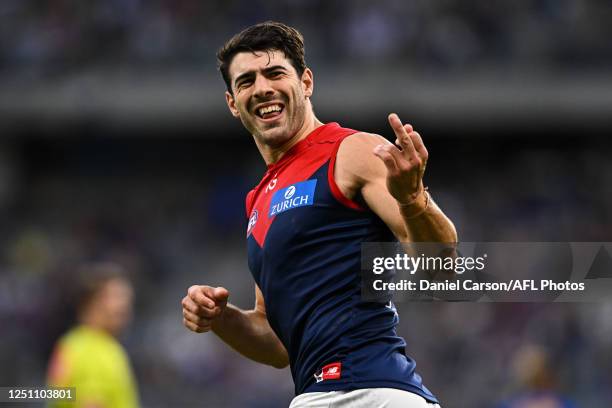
115 144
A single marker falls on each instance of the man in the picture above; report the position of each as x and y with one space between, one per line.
89 357
327 190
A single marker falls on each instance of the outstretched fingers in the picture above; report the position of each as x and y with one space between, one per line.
403 139
419 145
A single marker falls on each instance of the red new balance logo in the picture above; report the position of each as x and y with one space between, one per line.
331 371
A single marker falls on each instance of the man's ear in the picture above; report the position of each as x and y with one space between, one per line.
308 82
231 104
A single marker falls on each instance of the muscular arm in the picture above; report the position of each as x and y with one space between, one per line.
369 165
246 331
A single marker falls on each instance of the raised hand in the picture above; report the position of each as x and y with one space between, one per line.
405 167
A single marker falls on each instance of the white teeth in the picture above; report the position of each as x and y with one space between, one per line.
268 109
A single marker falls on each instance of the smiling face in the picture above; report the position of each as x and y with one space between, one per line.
269 97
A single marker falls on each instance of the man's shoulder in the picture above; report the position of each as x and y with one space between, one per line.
360 140
356 164
356 150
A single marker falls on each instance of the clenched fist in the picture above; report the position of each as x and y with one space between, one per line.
202 305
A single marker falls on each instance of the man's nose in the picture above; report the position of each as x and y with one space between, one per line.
263 86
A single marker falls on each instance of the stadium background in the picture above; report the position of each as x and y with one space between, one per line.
115 143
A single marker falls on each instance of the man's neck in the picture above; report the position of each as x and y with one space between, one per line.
273 154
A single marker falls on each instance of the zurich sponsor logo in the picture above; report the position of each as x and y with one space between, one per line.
290 192
293 196
252 222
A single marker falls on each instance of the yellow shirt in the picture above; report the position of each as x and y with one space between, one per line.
97 366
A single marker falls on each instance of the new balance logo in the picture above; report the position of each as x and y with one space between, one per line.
331 371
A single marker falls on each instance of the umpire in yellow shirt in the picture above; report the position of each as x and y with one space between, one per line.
89 357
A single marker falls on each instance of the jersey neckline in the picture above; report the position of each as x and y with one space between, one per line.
302 145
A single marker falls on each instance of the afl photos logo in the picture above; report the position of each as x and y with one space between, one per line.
252 222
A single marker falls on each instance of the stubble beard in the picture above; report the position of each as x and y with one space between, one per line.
293 120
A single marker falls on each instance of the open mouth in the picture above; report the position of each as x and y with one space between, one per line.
270 111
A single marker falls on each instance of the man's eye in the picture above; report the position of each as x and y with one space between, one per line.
245 83
275 74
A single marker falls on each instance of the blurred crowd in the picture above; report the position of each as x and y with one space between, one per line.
61 36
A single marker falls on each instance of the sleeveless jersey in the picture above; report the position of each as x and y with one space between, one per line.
304 248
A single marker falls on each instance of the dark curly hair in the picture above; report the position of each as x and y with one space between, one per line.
266 36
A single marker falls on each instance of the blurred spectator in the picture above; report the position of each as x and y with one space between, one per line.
88 357
536 380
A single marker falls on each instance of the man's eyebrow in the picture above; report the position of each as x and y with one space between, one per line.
244 75
274 68
265 71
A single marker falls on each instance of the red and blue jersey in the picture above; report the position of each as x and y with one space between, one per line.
304 241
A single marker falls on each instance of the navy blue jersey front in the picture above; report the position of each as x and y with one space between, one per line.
304 241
